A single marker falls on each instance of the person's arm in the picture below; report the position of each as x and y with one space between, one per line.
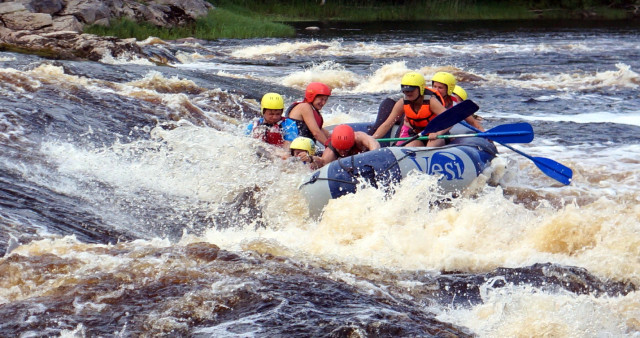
435 106
365 141
395 114
474 122
249 129
310 120
327 157
316 163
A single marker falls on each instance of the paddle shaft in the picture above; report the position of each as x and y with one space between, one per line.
508 133
549 167
487 135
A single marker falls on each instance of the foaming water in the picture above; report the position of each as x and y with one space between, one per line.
526 311
578 81
478 235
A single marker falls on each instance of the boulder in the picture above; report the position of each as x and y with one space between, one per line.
10 7
54 27
45 6
27 20
192 8
65 23
71 45
87 11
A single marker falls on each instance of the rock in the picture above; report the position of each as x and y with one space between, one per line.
10 7
87 11
26 20
45 6
70 45
53 27
193 8
65 23
103 22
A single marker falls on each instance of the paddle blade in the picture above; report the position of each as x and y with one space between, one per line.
548 166
554 169
448 118
510 133
451 116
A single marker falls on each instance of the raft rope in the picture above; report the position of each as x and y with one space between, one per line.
409 153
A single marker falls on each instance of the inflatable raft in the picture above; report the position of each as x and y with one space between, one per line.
457 164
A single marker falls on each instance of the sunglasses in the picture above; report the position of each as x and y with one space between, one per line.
406 88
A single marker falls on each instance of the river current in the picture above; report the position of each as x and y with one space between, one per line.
131 204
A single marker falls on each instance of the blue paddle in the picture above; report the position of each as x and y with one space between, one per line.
448 118
549 167
507 133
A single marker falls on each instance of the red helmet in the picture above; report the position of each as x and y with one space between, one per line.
343 137
314 89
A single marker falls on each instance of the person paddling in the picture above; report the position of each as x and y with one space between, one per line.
306 113
346 142
418 109
459 95
272 127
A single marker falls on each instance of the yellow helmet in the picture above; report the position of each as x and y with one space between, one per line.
303 143
413 79
271 101
460 92
446 78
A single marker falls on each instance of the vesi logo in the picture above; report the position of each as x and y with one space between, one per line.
443 163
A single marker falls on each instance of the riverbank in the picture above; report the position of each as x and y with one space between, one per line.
250 19
95 29
421 10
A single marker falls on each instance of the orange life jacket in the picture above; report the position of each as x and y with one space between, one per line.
419 120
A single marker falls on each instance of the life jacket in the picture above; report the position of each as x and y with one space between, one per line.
303 130
420 119
269 133
449 101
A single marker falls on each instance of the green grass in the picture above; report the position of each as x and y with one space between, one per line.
219 23
262 18
419 10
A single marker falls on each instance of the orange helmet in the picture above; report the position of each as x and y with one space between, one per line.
314 89
343 137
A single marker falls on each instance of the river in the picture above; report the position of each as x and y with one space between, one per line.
132 205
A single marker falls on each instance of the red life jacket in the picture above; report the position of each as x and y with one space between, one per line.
449 101
269 133
419 120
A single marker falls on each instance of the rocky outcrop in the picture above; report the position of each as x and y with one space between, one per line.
54 27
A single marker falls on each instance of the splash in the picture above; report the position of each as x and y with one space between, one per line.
384 79
330 73
157 82
285 48
623 77
125 59
526 311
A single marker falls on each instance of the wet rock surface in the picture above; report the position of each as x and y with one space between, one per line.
53 28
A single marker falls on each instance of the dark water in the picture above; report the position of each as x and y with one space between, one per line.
131 204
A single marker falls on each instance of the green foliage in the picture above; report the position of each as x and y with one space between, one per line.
394 10
219 23
259 18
